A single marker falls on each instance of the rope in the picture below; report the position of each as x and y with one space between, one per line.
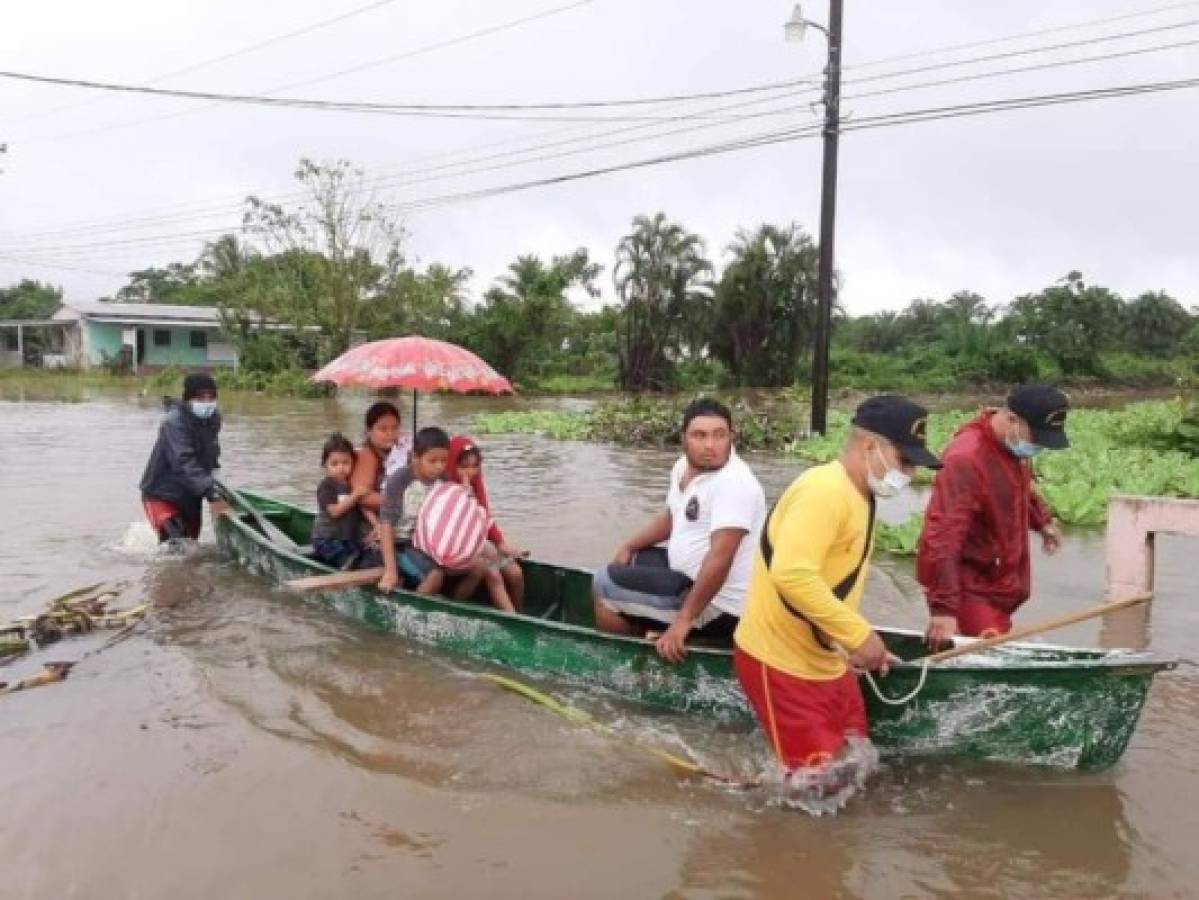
579 717
906 698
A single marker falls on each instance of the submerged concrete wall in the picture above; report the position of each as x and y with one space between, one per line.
1132 526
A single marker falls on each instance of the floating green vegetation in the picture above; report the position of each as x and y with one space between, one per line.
899 540
641 422
1144 448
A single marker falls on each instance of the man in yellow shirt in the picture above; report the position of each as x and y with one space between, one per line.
802 635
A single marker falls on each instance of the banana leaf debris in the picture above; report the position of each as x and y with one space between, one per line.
81 611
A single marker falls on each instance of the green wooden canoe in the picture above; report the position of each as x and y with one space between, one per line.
1022 703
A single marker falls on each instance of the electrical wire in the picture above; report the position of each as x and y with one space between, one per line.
926 114
406 180
224 57
506 110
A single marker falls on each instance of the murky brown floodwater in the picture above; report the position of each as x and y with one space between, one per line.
244 745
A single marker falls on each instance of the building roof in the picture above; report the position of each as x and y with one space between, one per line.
31 323
161 315
133 313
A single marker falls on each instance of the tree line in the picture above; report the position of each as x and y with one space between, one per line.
335 264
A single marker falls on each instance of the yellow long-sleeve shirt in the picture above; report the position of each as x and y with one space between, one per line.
818 532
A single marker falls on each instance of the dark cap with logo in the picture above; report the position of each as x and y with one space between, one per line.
1044 408
903 423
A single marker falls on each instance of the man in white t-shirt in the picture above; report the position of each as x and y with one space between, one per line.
715 509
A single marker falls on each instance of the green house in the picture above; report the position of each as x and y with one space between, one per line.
147 336
143 337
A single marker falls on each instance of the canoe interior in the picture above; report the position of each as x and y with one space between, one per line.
552 593
1025 703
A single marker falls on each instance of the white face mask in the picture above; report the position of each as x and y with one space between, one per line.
203 409
893 482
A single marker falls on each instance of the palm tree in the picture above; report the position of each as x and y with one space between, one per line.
225 258
1155 323
765 305
665 284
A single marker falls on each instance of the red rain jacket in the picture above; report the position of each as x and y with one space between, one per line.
975 541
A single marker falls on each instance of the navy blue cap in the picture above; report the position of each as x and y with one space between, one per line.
903 423
1044 408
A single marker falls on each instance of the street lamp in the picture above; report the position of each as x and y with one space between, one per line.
794 30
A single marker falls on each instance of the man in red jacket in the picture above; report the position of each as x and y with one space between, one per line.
973 561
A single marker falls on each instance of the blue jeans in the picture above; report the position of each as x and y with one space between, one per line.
336 554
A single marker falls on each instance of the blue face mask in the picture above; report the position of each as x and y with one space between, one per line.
1022 449
203 409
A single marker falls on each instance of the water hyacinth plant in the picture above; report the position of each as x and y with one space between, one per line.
1145 448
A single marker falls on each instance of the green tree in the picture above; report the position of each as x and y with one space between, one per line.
526 317
665 285
430 303
766 305
29 299
1155 323
350 243
1071 321
176 285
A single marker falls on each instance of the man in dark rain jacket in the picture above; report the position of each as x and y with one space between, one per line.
179 475
973 561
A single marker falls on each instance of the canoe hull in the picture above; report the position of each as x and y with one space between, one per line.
1034 705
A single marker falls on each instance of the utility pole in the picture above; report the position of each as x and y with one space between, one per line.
828 216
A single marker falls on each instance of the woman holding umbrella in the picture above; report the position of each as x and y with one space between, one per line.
370 463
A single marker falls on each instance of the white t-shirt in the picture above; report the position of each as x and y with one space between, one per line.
730 497
398 457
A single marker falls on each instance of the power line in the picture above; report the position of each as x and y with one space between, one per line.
516 110
224 57
1010 54
227 209
1023 35
212 211
901 118
37 263
500 112
920 115
361 67
1038 67
447 168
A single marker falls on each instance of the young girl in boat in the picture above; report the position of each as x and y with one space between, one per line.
370 466
337 533
465 466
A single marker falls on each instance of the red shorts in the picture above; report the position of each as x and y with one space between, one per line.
158 511
805 721
978 618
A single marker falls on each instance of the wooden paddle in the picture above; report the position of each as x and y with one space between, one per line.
274 533
338 581
1018 634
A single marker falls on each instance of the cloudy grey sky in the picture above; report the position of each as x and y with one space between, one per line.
96 185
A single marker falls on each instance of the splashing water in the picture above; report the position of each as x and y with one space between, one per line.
824 789
141 541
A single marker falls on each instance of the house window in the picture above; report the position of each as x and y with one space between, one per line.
199 340
162 337
10 339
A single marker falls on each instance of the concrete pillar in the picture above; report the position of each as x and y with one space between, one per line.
1132 523
20 346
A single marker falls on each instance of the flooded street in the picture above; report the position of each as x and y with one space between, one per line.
242 744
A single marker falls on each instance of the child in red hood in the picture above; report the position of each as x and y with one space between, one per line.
465 466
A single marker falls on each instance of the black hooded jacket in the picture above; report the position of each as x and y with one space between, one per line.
184 456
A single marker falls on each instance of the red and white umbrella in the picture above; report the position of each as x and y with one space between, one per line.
418 363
